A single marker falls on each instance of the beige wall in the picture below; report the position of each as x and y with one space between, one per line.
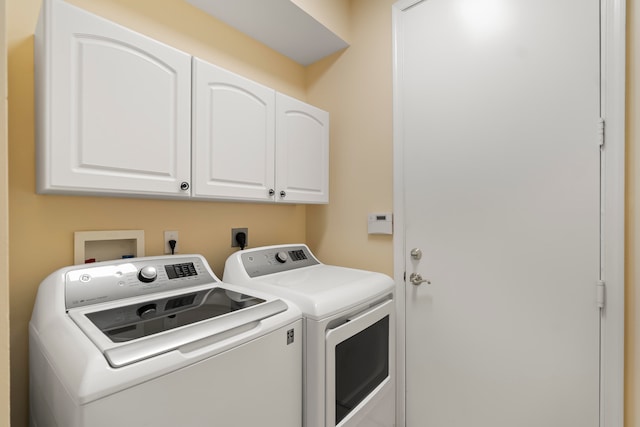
356 87
43 226
4 229
632 324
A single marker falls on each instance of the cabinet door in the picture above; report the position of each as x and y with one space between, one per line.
302 152
113 108
233 135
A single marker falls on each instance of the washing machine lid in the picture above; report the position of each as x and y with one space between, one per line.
324 290
136 331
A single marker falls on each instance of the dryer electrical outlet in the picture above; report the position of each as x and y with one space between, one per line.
234 234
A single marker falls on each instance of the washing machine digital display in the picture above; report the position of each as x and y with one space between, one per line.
176 271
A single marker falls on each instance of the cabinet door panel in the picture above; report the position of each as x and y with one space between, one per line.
302 152
233 125
119 108
101 141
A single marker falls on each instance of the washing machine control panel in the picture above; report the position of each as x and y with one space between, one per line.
109 281
270 260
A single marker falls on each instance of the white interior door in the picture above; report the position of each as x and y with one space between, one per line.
497 111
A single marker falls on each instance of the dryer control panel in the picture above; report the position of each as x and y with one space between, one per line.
274 259
113 280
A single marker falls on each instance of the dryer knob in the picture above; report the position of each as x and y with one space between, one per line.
281 257
147 274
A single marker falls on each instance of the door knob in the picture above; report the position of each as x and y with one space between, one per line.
416 279
416 253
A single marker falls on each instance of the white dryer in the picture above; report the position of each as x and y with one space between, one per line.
159 341
349 332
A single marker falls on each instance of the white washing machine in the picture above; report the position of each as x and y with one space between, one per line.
349 332
160 341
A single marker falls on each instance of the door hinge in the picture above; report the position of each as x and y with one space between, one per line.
600 293
601 131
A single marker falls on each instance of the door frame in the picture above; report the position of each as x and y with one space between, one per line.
612 104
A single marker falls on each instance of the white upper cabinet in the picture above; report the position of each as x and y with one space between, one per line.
302 152
252 143
113 108
233 135
115 113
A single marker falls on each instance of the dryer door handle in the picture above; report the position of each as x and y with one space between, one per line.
361 320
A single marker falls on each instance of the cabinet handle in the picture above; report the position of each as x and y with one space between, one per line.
184 185
272 192
283 194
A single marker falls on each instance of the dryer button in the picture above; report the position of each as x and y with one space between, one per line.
281 257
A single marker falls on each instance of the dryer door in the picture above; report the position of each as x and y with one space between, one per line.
360 369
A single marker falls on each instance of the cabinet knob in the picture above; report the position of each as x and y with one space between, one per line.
184 185
283 194
272 192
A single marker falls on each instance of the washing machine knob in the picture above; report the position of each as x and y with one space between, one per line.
146 311
281 257
148 274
